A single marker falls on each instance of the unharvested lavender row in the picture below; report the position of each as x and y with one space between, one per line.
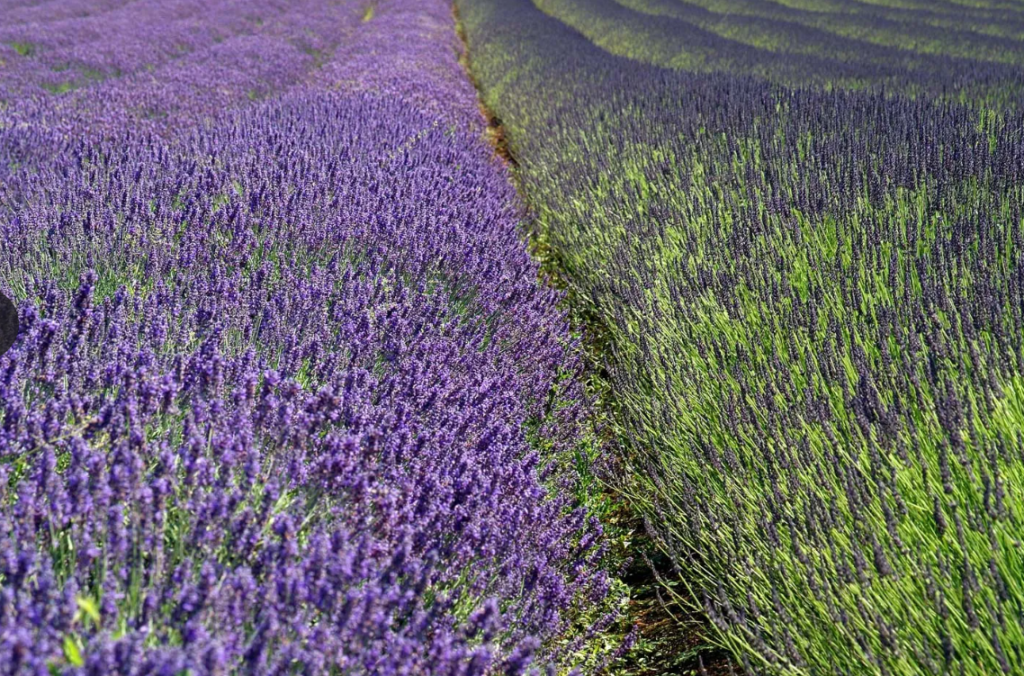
161 76
282 378
811 303
973 54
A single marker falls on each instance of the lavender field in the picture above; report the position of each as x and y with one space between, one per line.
512 337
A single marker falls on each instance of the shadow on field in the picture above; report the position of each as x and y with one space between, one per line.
672 640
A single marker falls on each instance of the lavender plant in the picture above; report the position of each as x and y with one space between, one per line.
283 361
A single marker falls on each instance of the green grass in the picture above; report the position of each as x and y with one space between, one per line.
23 48
61 88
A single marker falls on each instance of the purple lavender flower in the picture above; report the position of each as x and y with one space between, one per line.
283 372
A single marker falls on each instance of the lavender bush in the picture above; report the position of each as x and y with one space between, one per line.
284 368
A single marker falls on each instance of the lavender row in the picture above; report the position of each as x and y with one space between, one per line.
810 299
190 84
54 55
287 397
972 55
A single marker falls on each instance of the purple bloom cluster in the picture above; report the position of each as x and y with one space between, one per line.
287 394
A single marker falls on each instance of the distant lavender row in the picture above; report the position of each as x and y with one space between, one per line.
284 370
972 54
104 43
161 77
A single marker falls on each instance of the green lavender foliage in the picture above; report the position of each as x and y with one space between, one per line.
804 247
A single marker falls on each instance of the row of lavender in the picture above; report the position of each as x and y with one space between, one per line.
810 306
931 48
284 367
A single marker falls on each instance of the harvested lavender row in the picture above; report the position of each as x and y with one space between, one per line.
287 393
